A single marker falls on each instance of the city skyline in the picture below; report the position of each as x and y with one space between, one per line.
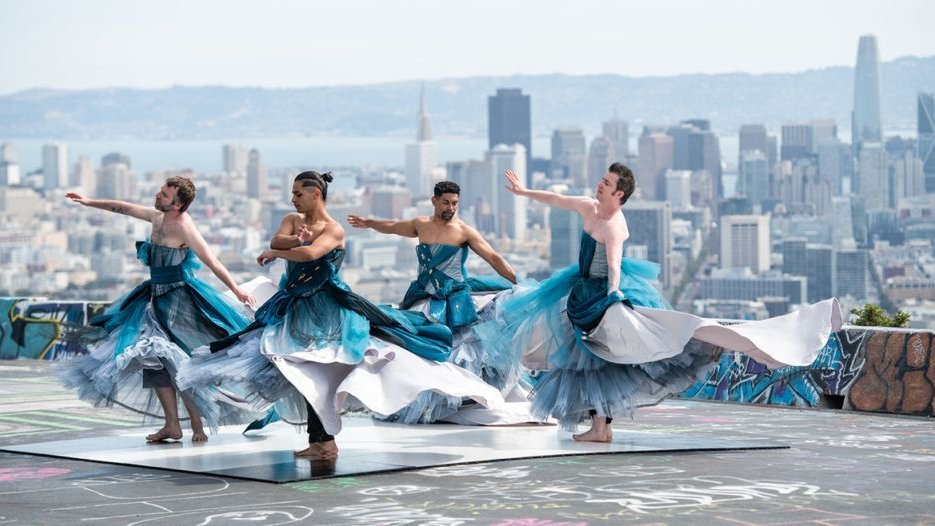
47 44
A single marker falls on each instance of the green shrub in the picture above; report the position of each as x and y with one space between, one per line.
874 316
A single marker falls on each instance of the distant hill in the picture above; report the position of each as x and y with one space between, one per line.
458 106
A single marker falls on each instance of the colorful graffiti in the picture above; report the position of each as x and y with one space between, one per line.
859 369
41 329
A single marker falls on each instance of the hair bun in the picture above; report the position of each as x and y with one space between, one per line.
327 177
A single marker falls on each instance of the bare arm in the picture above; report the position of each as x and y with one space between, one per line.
614 246
120 207
286 238
482 248
331 238
198 244
568 202
405 228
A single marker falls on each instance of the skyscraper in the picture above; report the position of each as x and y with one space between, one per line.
872 176
564 229
745 242
656 156
619 134
84 176
55 165
753 137
234 159
851 270
836 163
866 119
600 157
569 155
510 209
926 128
650 224
422 155
679 189
256 176
509 120
753 176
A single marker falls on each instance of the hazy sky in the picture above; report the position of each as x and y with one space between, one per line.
73 44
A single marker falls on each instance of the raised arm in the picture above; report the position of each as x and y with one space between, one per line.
482 248
331 238
120 207
405 228
568 202
198 244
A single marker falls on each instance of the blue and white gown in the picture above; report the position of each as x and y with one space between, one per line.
316 341
601 354
444 292
143 338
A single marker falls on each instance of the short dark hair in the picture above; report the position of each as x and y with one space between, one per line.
185 191
626 182
447 187
316 180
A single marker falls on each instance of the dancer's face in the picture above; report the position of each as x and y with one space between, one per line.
165 198
304 197
446 206
607 189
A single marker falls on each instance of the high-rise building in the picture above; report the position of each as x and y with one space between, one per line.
842 222
8 153
84 176
852 272
814 261
9 173
908 177
476 179
754 137
867 117
821 130
704 153
745 242
234 159
510 209
390 201
835 164
117 181
753 176
679 189
257 184
569 155
796 139
565 229
655 159
619 134
422 155
926 145
55 165
509 120
872 176
650 224
116 158
600 157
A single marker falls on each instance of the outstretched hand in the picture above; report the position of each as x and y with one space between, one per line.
357 221
515 186
78 198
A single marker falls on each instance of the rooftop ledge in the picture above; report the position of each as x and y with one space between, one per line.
860 368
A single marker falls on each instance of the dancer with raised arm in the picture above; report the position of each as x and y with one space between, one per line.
606 338
444 292
316 344
144 337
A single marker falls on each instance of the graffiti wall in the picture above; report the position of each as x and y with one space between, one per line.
859 369
42 329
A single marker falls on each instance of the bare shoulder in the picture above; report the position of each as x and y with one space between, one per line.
334 229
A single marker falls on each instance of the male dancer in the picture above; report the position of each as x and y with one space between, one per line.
443 291
186 311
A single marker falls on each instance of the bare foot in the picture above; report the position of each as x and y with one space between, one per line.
592 435
319 451
166 433
199 436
